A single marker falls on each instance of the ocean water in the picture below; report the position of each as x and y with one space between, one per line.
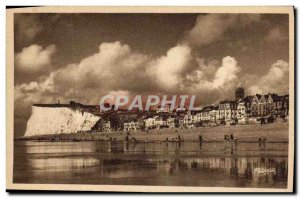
213 164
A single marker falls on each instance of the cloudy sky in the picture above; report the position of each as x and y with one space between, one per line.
82 57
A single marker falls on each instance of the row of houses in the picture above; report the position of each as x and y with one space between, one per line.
242 110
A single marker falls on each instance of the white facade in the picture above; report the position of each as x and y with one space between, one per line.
241 110
131 126
171 122
214 115
149 123
228 111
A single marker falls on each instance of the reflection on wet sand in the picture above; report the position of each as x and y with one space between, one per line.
187 163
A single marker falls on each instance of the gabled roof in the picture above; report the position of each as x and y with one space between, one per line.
258 96
247 99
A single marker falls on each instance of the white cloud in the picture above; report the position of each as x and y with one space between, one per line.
275 81
113 67
32 86
116 67
169 68
34 58
212 27
213 82
227 73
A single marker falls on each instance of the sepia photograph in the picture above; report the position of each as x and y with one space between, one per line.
150 99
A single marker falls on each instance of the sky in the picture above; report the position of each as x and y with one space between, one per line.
82 57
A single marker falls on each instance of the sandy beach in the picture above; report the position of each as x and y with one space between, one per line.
276 132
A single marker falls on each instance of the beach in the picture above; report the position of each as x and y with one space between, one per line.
275 132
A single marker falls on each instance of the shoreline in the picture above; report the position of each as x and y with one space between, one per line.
271 133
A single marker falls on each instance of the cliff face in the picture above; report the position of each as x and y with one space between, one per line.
58 120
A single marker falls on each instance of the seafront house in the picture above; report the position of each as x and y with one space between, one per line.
244 110
264 105
214 114
131 126
205 113
228 111
255 103
279 105
270 107
149 123
163 109
171 122
106 126
159 122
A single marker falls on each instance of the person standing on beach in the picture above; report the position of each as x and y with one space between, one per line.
235 142
200 139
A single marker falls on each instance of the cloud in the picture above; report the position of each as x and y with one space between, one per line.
168 68
227 73
27 26
212 27
30 87
34 58
115 67
276 34
208 28
213 82
275 81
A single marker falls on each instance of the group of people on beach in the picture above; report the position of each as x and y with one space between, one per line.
230 138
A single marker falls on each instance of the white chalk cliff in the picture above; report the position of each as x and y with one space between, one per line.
59 120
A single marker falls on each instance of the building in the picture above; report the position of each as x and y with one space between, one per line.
149 123
171 122
106 126
254 105
263 105
159 122
179 121
163 109
205 113
271 99
244 110
198 117
228 111
279 104
131 126
214 114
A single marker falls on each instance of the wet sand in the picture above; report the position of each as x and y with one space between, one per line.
165 163
106 158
